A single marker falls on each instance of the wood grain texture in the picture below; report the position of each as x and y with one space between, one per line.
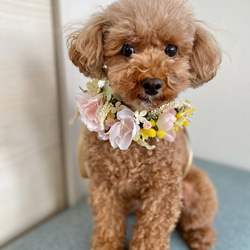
31 172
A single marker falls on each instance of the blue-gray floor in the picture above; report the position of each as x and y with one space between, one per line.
72 229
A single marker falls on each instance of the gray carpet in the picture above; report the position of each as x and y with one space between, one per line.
72 229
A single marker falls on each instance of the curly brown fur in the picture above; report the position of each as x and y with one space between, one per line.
200 207
149 180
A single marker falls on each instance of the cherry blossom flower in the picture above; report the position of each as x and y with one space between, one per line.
124 130
102 135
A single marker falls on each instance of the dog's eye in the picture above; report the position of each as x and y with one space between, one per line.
171 50
127 50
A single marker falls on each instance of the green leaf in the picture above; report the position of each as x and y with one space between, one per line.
85 91
117 96
151 116
107 91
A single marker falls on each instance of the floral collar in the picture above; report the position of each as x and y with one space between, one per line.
102 111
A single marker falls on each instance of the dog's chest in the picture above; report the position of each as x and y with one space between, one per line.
132 170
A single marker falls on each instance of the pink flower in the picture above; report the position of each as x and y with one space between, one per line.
89 107
124 130
147 125
166 124
102 135
170 136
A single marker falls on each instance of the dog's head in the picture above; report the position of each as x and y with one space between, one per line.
150 50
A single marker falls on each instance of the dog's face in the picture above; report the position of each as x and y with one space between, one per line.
150 50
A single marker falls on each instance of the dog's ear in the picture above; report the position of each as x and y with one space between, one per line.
86 47
206 57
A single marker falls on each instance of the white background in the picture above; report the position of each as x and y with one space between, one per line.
220 129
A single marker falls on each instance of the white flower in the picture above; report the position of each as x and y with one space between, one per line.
118 107
139 116
101 83
93 88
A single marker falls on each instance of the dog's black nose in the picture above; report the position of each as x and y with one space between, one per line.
152 86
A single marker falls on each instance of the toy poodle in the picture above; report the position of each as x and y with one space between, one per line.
149 51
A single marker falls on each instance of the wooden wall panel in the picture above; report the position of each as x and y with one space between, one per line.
31 172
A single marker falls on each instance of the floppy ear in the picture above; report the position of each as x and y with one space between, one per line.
86 47
206 57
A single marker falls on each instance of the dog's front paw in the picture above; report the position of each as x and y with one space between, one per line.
200 239
107 246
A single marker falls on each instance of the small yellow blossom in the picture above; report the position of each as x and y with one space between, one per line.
160 134
151 132
176 128
179 116
185 123
153 123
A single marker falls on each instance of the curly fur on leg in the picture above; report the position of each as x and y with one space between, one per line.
156 217
109 217
200 207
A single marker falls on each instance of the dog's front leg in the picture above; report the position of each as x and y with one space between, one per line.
157 216
109 217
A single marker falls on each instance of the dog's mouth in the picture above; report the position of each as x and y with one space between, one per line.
145 99
149 103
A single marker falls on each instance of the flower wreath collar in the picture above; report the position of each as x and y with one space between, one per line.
102 111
